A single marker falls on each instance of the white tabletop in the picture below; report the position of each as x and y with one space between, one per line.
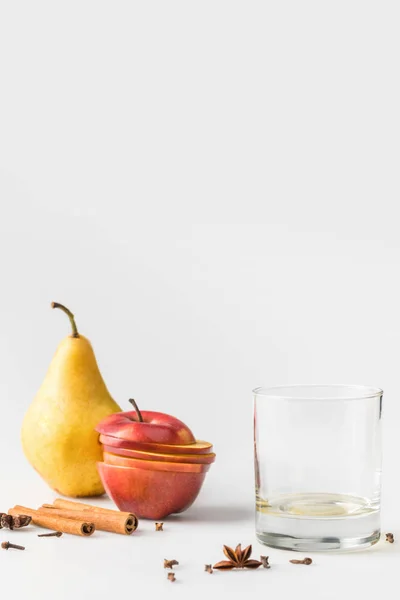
109 565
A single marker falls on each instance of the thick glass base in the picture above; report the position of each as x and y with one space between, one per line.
317 522
328 544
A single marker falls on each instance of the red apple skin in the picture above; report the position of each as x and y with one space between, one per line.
150 494
198 447
204 459
152 465
156 427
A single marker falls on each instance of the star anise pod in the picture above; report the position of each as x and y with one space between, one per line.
14 522
238 559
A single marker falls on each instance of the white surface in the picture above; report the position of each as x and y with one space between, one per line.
213 189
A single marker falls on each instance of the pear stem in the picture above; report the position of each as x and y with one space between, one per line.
75 333
135 406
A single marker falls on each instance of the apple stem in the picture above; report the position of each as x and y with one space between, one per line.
135 406
71 317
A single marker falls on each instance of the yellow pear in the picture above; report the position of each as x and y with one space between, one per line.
58 435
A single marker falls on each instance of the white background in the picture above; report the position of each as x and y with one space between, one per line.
212 187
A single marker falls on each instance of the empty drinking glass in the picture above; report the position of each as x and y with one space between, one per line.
318 466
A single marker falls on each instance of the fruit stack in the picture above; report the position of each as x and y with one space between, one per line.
153 466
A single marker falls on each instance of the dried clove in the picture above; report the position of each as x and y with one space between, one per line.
171 576
14 522
52 534
390 538
208 569
7 545
264 562
305 561
159 526
169 564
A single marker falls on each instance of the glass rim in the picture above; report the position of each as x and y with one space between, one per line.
356 392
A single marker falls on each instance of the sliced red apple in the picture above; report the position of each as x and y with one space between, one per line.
155 427
150 494
183 458
152 465
197 447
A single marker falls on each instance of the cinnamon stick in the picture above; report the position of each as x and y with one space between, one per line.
54 522
132 520
113 521
72 505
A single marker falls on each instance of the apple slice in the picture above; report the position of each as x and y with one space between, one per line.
143 455
153 465
150 494
197 447
146 427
